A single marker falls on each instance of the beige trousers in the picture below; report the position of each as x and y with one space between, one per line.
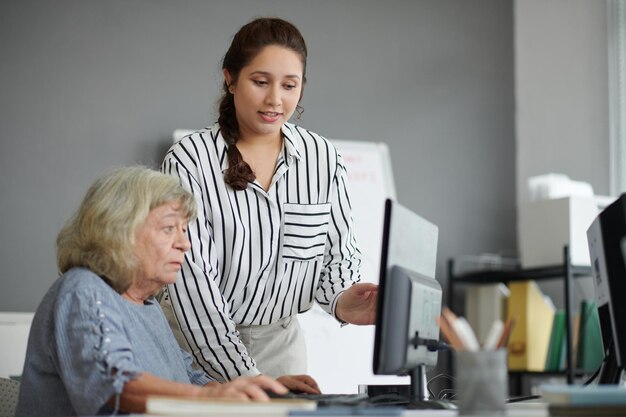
278 348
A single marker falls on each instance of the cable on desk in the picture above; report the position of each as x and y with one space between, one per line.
447 394
594 375
597 371
441 375
524 398
433 345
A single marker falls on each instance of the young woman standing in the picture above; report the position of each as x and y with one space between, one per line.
274 232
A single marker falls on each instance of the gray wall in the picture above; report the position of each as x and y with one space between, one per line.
562 101
86 85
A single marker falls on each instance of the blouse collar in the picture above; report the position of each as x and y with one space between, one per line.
291 145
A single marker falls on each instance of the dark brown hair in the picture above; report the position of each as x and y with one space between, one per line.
246 45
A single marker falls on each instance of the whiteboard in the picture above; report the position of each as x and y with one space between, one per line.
340 358
370 183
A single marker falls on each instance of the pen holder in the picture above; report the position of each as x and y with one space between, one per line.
482 382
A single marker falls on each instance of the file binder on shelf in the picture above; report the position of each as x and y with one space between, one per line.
589 353
533 314
485 304
555 358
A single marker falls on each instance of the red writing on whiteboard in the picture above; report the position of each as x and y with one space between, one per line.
362 176
352 159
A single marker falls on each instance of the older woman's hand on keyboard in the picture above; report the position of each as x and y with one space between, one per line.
299 383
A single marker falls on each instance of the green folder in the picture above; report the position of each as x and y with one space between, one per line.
555 358
590 352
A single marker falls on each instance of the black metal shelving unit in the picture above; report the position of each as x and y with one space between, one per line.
565 271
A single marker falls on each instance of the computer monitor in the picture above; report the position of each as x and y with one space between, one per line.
409 299
606 237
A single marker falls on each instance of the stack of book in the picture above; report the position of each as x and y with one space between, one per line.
592 400
176 406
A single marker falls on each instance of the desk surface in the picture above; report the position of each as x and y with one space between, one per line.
530 409
535 409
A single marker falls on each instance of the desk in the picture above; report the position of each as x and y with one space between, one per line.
527 409
530 409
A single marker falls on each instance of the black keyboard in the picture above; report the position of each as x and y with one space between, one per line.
363 400
324 399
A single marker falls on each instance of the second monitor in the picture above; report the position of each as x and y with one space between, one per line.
606 237
409 300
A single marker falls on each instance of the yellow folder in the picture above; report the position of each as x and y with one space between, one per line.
533 314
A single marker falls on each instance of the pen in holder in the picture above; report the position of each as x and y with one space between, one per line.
482 378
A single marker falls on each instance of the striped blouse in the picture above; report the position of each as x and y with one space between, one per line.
257 257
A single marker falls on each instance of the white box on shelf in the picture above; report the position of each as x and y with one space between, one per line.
546 226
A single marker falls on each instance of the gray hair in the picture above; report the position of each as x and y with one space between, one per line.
100 236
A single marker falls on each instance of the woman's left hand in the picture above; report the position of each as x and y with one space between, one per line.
357 304
299 383
244 388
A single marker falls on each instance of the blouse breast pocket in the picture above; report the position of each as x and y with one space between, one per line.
305 228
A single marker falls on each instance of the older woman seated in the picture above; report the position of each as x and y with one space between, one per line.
99 342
